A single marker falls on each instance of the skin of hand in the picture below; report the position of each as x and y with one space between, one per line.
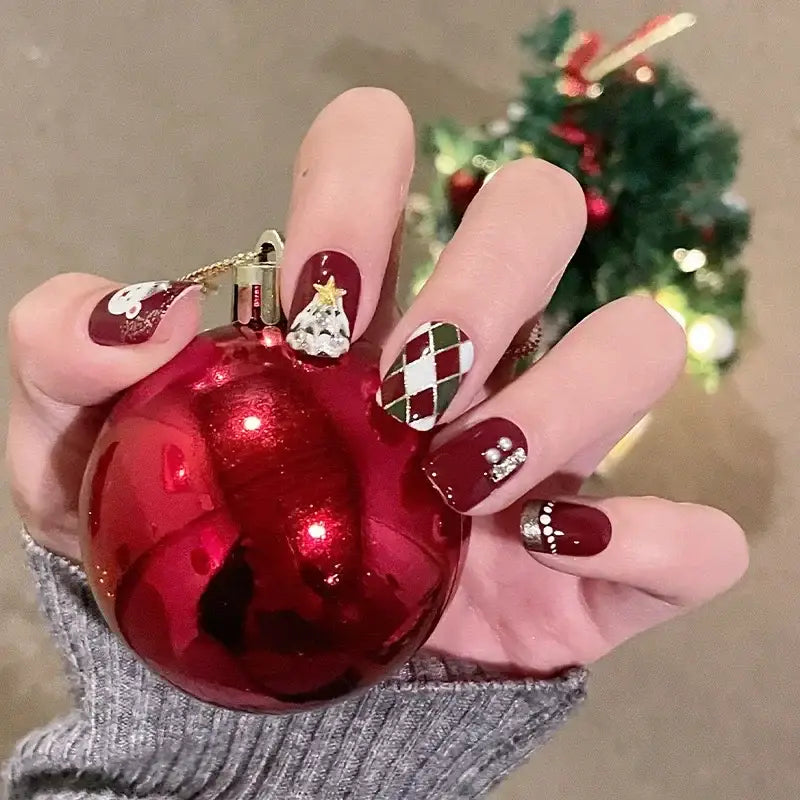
643 560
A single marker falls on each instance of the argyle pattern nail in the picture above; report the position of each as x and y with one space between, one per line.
425 377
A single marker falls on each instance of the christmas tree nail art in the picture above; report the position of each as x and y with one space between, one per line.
325 304
424 378
322 327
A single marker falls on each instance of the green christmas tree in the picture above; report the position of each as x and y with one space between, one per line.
656 165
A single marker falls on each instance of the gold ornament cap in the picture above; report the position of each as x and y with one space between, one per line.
256 291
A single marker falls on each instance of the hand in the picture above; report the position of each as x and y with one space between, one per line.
601 570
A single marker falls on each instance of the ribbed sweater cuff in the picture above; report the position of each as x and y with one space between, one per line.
438 729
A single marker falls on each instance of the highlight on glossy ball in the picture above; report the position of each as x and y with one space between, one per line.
259 531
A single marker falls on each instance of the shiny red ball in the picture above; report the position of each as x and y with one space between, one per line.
259 531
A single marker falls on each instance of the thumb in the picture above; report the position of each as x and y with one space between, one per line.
79 339
75 342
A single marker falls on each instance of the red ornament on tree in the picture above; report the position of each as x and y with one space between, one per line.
461 190
259 531
598 209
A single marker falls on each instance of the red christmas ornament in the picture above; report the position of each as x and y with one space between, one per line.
259 531
461 190
598 209
590 144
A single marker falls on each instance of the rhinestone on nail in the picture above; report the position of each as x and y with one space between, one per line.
493 455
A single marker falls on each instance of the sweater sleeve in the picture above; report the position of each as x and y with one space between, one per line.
439 729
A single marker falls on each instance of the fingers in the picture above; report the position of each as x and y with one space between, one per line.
500 268
351 180
79 339
65 366
597 381
651 558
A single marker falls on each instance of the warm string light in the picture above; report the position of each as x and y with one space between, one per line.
700 337
486 164
711 337
445 164
696 283
689 260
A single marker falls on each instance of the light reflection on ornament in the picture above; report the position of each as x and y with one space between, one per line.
174 471
251 423
317 530
271 337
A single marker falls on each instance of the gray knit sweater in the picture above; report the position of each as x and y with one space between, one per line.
437 730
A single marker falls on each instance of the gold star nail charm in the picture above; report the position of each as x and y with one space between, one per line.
329 292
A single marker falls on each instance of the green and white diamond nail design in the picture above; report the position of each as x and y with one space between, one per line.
424 378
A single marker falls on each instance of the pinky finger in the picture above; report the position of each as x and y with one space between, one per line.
650 558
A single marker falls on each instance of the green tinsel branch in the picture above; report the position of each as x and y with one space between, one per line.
656 165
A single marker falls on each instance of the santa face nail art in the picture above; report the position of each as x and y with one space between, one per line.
131 314
468 468
567 529
424 378
325 304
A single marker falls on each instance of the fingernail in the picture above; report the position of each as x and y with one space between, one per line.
424 378
325 304
468 468
132 314
566 529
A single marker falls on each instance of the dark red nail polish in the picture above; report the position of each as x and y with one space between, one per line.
566 529
131 314
325 304
468 468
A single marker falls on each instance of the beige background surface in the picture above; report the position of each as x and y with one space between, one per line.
138 138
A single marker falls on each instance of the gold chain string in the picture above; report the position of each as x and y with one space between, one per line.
205 275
